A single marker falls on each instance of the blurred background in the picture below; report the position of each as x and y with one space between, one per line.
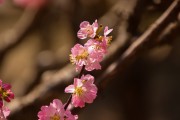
35 43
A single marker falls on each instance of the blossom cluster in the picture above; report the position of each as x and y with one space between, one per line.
91 54
85 57
5 94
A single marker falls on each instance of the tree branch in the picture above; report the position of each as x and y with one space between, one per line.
13 35
144 40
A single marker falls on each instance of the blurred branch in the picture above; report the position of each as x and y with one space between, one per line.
168 33
51 79
120 13
13 35
145 39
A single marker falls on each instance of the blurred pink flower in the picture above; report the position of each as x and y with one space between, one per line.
31 3
79 55
83 90
1 1
107 31
55 111
87 30
4 112
5 93
106 38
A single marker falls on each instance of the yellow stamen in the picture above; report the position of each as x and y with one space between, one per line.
109 40
99 29
3 93
79 91
72 60
55 117
84 55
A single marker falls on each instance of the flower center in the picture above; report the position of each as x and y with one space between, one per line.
3 93
79 91
55 117
83 55
89 30
109 40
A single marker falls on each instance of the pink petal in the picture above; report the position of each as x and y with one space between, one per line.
84 24
57 104
6 86
81 35
77 102
78 82
70 89
106 31
88 77
0 82
1 103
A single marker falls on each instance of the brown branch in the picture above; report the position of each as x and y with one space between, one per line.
168 33
13 35
144 40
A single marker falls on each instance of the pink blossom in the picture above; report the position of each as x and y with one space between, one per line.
87 30
83 90
79 55
31 3
4 112
5 93
106 38
69 116
55 111
84 56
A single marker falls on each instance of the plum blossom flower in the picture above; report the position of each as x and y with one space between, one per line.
55 111
4 113
79 55
83 90
31 3
5 93
84 56
87 30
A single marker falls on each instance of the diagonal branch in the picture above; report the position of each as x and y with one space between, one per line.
144 40
13 35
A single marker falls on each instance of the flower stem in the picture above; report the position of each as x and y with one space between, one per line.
82 70
70 97
68 102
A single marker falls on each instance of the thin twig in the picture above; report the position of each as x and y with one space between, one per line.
68 102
